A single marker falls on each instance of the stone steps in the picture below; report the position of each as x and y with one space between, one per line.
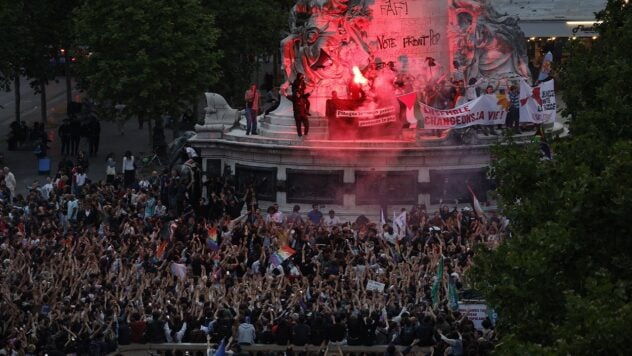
285 135
289 121
283 128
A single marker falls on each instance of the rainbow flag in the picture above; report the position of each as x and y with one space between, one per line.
281 255
397 252
211 241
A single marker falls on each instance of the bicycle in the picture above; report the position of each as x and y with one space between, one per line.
150 160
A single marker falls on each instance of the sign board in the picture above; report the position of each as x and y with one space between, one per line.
477 312
374 285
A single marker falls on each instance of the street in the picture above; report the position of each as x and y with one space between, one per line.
30 103
23 163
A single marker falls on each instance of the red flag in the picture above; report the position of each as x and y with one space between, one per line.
535 94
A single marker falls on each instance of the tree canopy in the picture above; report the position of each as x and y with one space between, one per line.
562 284
251 30
153 56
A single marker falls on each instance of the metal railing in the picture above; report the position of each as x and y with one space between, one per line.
332 348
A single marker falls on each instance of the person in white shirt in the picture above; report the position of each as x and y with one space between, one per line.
331 219
160 210
47 188
10 182
177 337
80 180
129 169
73 208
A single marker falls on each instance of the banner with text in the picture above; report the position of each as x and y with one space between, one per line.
538 104
483 110
370 117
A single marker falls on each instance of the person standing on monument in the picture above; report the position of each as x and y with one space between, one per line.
513 116
300 105
252 109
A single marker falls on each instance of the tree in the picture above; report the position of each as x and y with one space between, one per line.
562 284
251 30
35 30
153 56
15 47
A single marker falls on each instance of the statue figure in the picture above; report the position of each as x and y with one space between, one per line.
327 43
219 116
487 43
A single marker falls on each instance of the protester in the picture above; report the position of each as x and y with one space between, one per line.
10 182
252 99
113 265
129 169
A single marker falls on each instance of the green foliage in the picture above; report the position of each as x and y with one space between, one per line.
29 38
250 29
563 283
154 56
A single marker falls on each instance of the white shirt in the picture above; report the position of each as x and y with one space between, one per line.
73 208
46 189
191 152
128 164
161 210
80 179
9 180
329 221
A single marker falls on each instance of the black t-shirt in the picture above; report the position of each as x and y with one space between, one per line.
425 334
337 332
300 334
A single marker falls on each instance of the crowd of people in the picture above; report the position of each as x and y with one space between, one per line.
168 258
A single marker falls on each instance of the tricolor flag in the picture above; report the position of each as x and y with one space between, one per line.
409 100
211 241
281 255
475 203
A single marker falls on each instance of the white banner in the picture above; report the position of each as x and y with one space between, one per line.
483 110
538 104
375 285
474 312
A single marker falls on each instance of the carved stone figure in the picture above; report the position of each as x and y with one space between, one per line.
218 114
487 43
326 40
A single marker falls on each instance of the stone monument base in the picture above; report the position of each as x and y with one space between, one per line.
352 177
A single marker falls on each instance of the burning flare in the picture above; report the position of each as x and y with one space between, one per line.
358 78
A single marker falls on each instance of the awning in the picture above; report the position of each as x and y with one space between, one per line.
558 28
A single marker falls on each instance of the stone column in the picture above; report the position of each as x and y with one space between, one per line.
423 176
281 196
349 197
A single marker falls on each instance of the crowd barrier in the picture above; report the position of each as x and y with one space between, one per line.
137 349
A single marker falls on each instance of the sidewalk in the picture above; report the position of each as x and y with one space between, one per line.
23 163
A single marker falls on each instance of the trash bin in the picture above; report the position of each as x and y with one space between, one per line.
43 165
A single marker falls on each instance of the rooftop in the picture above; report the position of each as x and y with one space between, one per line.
536 10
